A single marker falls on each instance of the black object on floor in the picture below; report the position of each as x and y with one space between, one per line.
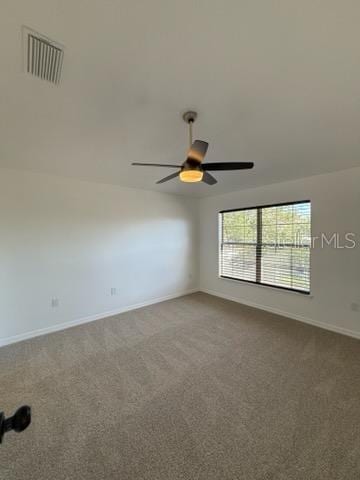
18 422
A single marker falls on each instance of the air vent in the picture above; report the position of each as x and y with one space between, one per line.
43 57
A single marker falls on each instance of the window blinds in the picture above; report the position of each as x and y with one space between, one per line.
268 245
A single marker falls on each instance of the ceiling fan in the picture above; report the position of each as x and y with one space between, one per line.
193 170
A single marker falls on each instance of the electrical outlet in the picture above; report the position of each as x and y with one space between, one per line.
355 307
113 291
54 302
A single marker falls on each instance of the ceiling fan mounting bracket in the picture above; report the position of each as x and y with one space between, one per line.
190 117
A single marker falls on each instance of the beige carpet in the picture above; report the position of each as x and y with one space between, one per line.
194 388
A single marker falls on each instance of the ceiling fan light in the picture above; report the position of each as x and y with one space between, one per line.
191 176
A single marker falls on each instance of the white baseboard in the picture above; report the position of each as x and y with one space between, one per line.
300 318
73 323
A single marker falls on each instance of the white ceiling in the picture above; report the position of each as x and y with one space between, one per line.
276 82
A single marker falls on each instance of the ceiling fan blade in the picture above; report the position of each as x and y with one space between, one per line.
156 165
169 177
227 166
197 151
209 179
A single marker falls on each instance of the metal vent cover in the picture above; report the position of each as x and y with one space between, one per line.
42 57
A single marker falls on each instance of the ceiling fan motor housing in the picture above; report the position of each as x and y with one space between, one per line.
191 171
191 164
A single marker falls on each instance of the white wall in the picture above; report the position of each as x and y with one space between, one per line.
75 240
335 273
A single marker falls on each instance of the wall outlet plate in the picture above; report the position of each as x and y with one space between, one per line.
355 307
54 302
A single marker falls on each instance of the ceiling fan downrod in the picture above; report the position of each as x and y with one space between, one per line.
190 117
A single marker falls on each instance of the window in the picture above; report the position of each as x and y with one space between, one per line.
268 245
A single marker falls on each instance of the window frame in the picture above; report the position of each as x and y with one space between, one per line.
258 245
